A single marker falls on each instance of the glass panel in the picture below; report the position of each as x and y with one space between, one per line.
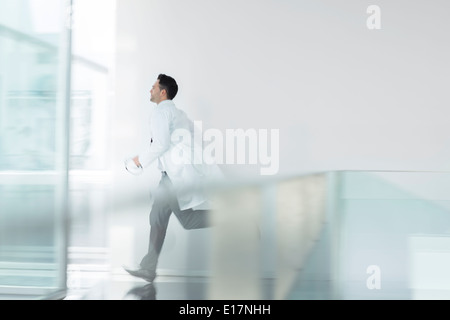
89 148
387 236
385 217
90 159
27 235
33 148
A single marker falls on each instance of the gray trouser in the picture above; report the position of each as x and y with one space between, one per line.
164 204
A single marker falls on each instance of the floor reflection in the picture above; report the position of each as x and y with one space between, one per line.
146 292
126 287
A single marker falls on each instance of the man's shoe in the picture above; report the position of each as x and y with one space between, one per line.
142 273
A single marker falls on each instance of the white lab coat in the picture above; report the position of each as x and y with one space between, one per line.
175 156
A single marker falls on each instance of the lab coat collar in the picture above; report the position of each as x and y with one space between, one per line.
165 103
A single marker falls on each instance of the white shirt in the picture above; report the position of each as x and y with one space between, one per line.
187 176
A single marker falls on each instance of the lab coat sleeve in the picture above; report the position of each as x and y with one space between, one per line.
160 128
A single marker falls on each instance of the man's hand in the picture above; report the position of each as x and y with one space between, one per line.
133 166
136 162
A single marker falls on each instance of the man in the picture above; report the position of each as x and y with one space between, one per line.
180 187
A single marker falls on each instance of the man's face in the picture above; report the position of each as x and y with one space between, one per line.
155 93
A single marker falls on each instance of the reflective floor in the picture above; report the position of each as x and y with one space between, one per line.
124 287
92 275
127 288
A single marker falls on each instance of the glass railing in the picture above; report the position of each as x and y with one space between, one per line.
334 235
386 236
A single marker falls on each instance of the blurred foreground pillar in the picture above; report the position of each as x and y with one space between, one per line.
298 214
236 245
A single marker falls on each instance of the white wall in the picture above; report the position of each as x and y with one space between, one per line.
342 96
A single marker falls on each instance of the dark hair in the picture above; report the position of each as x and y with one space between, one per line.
169 84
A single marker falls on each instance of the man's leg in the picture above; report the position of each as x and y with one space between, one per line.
189 218
193 219
159 220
